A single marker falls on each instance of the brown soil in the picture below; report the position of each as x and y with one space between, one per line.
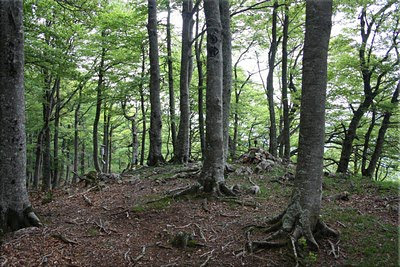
120 229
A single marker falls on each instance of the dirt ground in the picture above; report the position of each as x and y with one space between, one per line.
123 224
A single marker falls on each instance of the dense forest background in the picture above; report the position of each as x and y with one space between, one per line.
199 133
87 67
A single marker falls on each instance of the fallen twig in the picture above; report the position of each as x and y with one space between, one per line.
229 215
87 200
141 255
208 259
64 239
333 251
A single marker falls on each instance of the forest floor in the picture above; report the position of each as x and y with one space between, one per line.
130 222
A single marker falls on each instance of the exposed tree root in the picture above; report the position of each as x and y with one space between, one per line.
288 227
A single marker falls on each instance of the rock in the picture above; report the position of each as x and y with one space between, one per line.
264 165
245 170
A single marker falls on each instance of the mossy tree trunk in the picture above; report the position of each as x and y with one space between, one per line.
15 208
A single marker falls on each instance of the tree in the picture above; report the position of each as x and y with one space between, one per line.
227 71
212 174
155 156
373 75
270 83
171 79
301 217
15 208
181 152
381 135
286 121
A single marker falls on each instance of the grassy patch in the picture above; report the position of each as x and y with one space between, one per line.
158 204
92 231
366 241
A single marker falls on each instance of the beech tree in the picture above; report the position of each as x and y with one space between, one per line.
155 156
212 175
15 208
181 150
301 217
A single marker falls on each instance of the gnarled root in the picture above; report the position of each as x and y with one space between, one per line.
287 228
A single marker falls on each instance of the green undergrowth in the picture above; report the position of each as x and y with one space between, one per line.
366 240
153 203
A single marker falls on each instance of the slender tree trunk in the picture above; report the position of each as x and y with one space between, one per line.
55 141
83 158
76 139
227 71
98 109
171 79
155 155
370 92
381 135
107 118
273 145
200 87
110 149
366 143
15 208
286 121
181 154
38 158
143 109
350 135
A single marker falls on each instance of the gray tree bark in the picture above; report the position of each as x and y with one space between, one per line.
285 102
171 79
98 109
227 71
212 175
181 154
142 107
200 86
301 218
381 135
15 208
155 156
273 144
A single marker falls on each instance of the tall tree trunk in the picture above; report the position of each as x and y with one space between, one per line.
143 109
171 79
286 121
302 217
47 111
98 108
212 175
155 155
76 138
381 135
181 154
227 71
200 86
15 208
55 141
273 145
